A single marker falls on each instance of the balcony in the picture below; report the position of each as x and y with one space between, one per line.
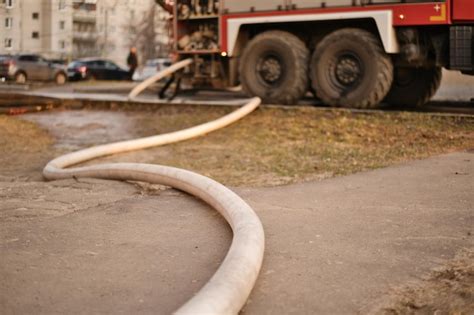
84 16
84 36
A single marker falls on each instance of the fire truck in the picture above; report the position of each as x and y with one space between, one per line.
351 53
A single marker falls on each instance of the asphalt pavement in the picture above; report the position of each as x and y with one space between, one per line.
455 94
333 247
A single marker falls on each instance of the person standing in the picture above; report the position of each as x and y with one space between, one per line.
132 62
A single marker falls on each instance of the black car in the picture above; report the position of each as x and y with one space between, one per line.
95 69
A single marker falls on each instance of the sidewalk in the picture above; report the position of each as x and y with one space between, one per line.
333 247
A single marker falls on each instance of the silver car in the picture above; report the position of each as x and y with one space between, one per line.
151 67
24 67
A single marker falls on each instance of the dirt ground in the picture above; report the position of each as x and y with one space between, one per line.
446 290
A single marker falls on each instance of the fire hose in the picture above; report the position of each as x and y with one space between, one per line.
228 289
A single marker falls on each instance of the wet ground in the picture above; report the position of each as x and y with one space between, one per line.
73 130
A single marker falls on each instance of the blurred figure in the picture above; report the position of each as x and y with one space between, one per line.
132 62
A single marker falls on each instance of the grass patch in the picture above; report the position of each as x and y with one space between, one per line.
275 146
24 148
19 136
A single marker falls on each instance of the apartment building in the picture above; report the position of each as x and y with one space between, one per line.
70 29
84 24
36 26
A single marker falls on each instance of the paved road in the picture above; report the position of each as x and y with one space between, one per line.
333 246
454 88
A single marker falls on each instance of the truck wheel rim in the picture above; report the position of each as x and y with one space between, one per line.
270 69
346 71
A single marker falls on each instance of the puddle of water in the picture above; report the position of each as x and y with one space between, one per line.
75 130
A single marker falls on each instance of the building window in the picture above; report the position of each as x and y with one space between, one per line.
35 35
8 22
9 4
62 4
62 44
8 43
62 25
35 15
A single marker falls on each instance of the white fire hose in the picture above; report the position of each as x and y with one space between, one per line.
228 289
168 71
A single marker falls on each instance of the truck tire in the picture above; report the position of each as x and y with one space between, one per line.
413 87
274 67
349 68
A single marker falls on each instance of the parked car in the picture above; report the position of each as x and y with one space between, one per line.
24 67
151 67
95 69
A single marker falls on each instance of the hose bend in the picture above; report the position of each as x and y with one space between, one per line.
228 289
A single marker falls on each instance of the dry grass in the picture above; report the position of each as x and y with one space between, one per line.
24 147
19 136
448 290
278 146
273 146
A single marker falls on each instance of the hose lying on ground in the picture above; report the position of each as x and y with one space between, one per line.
228 289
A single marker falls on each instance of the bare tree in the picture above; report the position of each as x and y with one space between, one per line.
105 41
144 33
